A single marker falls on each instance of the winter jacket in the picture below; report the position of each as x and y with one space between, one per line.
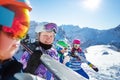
35 66
75 62
8 68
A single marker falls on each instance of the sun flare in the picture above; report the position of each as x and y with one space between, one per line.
91 4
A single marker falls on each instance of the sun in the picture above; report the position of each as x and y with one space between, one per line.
91 4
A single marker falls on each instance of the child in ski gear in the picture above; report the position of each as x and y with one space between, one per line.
45 33
14 24
62 48
74 58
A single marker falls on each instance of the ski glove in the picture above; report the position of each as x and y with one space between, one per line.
95 69
9 68
27 76
33 62
75 56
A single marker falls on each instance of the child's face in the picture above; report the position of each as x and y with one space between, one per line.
76 46
47 37
8 46
63 50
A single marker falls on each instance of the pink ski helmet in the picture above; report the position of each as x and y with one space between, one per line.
76 41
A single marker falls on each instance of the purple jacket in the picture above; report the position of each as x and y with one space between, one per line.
41 70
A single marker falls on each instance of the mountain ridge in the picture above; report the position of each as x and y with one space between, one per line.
88 36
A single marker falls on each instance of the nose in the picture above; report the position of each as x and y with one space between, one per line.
49 37
16 43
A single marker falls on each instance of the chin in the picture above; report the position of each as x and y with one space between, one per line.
48 43
76 48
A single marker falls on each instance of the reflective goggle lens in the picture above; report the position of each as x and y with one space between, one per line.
76 45
51 27
20 25
62 48
65 48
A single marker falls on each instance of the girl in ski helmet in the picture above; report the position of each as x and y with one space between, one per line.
45 33
75 61
76 45
14 24
62 48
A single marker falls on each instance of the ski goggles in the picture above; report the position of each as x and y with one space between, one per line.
76 45
20 23
62 48
51 27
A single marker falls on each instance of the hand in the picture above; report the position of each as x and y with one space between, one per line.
77 57
96 69
33 62
66 59
27 76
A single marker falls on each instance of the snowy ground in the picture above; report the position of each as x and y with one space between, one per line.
106 59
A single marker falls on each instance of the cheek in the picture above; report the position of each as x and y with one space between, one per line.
13 49
75 47
52 39
5 46
62 51
5 43
42 39
10 52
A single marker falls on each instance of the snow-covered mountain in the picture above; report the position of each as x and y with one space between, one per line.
88 36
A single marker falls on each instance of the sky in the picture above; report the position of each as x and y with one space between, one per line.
98 14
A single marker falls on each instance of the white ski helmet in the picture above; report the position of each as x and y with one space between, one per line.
45 26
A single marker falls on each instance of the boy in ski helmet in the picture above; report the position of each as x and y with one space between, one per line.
74 60
62 48
45 33
14 24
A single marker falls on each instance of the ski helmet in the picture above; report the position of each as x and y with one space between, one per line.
45 26
6 15
20 3
76 41
9 20
62 44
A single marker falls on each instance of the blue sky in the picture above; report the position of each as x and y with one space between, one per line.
98 14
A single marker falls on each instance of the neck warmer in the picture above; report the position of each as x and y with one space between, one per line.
45 46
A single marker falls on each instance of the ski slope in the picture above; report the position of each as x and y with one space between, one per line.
107 59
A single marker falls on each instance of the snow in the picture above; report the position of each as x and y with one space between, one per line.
108 64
